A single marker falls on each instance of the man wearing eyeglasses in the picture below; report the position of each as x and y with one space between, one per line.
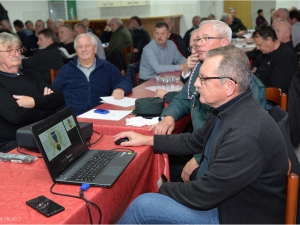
25 97
244 162
211 34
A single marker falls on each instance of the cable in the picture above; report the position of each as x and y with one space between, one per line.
18 150
83 188
101 135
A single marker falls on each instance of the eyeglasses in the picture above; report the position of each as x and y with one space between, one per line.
12 52
191 48
210 78
206 39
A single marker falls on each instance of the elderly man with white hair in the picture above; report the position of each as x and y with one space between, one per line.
87 77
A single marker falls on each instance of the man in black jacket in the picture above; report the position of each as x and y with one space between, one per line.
25 97
48 57
140 37
244 163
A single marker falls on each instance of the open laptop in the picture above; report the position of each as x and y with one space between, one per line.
65 152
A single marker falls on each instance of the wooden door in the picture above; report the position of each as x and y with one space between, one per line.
243 10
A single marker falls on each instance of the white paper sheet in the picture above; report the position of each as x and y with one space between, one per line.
112 115
125 102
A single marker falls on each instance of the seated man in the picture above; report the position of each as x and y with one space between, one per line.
278 62
140 37
80 29
106 33
120 38
187 103
242 172
86 23
22 32
237 25
86 78
176 38
160 55
227 18
26 97
33 39
66 45
48 57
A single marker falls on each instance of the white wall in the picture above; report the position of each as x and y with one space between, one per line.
26 10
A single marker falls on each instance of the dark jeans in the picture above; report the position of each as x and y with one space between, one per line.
131 70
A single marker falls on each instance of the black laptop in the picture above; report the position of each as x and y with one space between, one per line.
67 156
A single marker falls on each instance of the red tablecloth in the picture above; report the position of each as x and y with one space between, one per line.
22 182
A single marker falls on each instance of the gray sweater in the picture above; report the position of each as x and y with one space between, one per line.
248 166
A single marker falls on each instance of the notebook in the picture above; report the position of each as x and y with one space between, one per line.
65 151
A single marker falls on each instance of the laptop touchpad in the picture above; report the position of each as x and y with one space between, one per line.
112 170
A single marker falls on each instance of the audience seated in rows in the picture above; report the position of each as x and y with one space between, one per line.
26 97
22 32
120 38
187 101
80 29
66 43
33 38
47 57
140 37
186 37
86 78
242 171
176 38
160 55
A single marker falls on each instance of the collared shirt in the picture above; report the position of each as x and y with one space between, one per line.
86 70
296 33
156 59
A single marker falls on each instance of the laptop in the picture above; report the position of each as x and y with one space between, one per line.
65 152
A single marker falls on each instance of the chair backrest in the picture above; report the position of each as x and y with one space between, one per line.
274 94
128 50
53 74
292 186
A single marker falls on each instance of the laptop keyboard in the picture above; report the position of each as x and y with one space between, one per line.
93 166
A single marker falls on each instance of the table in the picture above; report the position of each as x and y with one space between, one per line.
115 127
22 182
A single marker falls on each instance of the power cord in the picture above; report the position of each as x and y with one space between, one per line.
83 188
101 135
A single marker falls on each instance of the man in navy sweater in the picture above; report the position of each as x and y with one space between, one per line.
87 78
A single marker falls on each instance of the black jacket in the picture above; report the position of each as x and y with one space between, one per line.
45 60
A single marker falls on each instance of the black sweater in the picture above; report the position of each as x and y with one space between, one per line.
12 117
248 165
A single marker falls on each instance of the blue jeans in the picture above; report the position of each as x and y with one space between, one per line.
152 208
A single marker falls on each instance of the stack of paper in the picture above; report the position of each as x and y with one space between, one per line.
125 102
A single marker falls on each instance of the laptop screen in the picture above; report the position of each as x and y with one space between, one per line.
59 140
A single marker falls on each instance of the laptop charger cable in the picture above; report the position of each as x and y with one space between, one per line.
84 187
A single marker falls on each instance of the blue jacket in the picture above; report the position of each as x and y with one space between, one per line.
84 95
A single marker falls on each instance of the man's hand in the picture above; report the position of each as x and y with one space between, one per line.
118 93
47 91
25 101
166 126
160 93
189 167
135 139
190 63
135 50
107 28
